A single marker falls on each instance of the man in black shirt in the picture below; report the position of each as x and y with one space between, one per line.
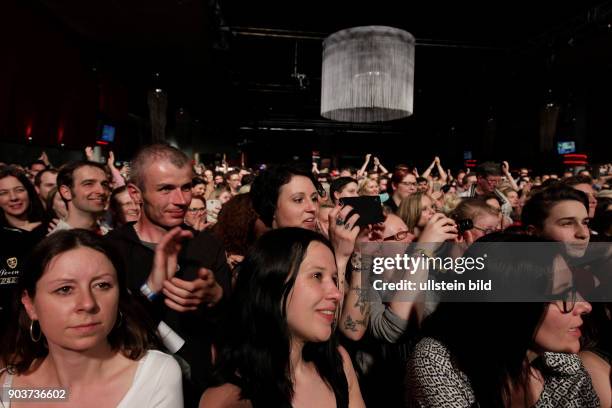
189 302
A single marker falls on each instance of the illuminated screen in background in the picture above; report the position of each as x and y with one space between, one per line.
566 147
108 133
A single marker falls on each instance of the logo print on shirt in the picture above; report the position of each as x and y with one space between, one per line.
12 262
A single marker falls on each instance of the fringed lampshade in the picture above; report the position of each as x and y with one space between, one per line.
368 74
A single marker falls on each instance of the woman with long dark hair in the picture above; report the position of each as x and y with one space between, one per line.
20 207
280 349
506 354
21 228
286 196
78 328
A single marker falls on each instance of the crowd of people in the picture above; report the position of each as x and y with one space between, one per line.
169 283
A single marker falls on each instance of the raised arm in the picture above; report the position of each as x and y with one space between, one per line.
441 171
315 168
361 172
118 179
427 173
378 164
506 171
45 159
355 312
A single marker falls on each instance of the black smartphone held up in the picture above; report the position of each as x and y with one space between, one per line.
369 209
464 225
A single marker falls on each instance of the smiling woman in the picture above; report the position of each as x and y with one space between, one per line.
280 349
77 328
21 228
286 197
506 354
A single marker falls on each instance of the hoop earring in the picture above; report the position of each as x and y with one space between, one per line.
35 340
120 320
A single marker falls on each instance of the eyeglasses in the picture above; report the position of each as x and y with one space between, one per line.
408 183
566 300
493 180
194 210
486 230
398 236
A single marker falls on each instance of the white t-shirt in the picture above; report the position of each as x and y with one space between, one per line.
157 384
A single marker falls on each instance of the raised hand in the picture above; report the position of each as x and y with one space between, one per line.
44 158
165 260
89 153
440 228
342 231
111 159
505 167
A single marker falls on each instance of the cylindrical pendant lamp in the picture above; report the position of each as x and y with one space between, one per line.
368 74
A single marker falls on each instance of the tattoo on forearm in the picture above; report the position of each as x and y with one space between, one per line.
364 307
351 324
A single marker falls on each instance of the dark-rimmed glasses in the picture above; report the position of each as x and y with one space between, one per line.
566 300
397 236
486 231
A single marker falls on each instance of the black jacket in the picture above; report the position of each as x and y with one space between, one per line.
15 247
196 328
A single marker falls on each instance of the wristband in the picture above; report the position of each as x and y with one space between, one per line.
146 290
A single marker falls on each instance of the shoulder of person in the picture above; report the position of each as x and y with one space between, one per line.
431 350
346 358
205 235
347 365
122 233
592 358
223 396
162 362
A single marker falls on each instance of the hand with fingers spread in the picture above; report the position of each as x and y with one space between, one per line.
440 228
165 260
185 296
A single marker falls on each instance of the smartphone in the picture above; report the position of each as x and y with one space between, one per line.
369 209
212 210
464 225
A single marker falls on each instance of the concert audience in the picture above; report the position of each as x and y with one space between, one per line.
238 304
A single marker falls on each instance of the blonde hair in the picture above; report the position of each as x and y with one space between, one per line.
363 184
410 210
451 201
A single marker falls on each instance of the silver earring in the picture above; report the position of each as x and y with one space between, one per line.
35 340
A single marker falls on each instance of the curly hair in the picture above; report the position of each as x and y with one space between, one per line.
235 224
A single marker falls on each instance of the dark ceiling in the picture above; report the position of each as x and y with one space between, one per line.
246 67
